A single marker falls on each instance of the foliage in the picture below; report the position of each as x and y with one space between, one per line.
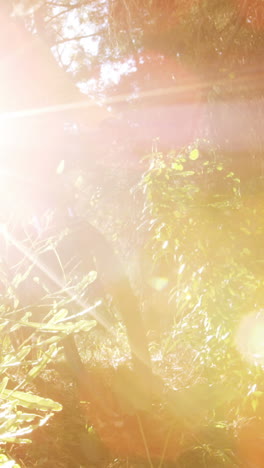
219 39
31 340
203 259
89 36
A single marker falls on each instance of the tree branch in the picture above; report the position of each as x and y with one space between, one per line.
67 9
77 38
67 5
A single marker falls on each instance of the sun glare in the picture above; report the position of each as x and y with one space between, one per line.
249 338
6 131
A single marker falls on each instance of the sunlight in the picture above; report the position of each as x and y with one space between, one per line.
13 136
85 307
5 132
58 282
249 338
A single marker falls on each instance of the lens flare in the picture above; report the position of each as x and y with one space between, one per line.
250 338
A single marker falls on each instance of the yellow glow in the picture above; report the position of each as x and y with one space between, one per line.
250 338
158 282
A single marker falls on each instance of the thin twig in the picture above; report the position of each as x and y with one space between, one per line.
67 9
165 448
144 441
77 38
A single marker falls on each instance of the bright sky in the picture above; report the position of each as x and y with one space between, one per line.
110 74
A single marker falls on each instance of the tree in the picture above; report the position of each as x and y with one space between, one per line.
220 73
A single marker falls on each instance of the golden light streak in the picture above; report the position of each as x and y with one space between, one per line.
83 104
98 106
49 274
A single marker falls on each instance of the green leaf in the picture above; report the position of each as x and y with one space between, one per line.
63 326
3 384
28 400
90 278
5 462
177 166
47 357
245 230
245 251
254 404
23 353
187 174
194 154
58 316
